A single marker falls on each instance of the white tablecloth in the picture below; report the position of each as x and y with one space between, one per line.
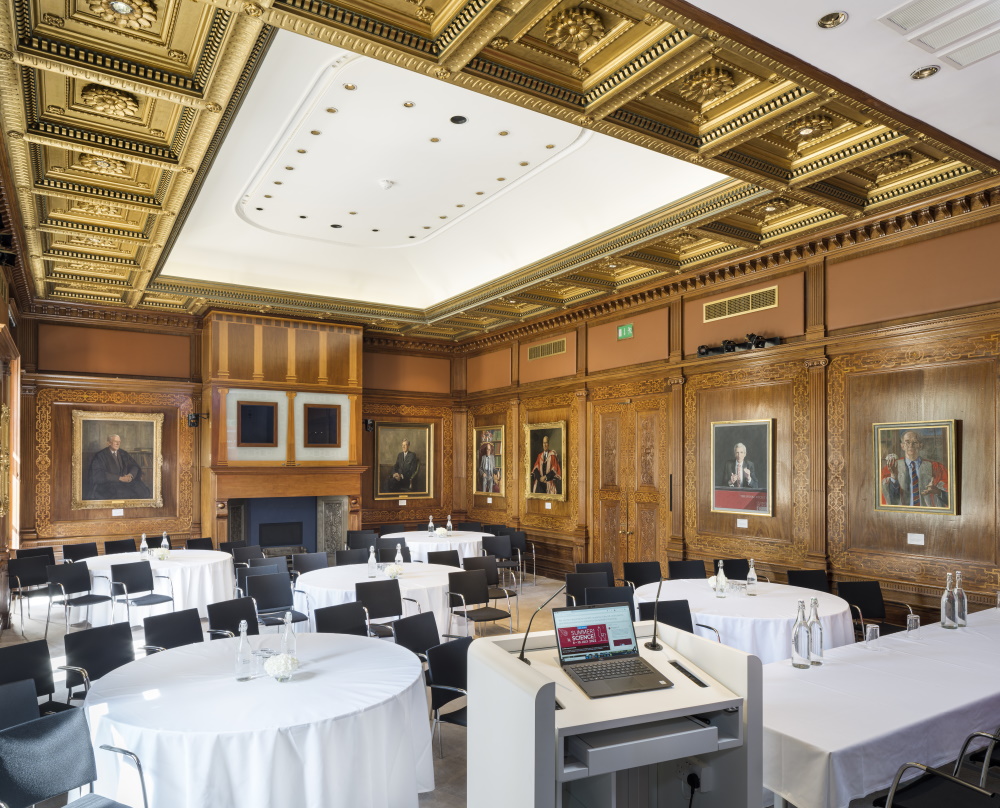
760 625
199 577
427 584
351 729
466 542
840 731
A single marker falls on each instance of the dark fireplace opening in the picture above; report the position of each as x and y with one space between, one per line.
280 534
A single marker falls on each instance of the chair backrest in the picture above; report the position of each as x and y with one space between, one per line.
417 632
18 703
395 527
809 579
599 566
173 629
73 577
366 532
578 582
641 573
307 562
692 568
204 543
29 571
79 552
32 552
229 546
242 573
448 558
225 615
281 562
448 665
388 554
866 595
136 576
737 569
344 618
241 555
343 557
98 651
45 758
28 660
676 613
380 598
518 541
486 563
362 541
499 547
271 591
597 595
470 584
496 530
388 544
476 527
120 546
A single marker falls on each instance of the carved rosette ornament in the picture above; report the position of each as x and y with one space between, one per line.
252 10
574 29
680 241
110 101
134 14
708 84
772 208
808 128
102 165
96 209
891 164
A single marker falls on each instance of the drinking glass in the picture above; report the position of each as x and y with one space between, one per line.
871 637
912 626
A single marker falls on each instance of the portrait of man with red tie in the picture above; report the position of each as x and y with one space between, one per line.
915 466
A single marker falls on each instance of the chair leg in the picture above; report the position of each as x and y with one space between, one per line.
48 612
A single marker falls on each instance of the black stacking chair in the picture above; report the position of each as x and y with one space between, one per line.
225 616
599 566
476 527
448 667
69 586
578 582
676 613
48 553
273 595
497 530
93 652
388 555
388 544
229 546
200 544
18 703
395 527
640 573
307 562
693 568
242 573
344 618
503 551
447 558
381 600
737 569
129 581
598 595
468 589
241 555
31 660
120 546
865 599
809 579
343 557
418 632
79 552
27 578
51 756
362 541
365 532
519 542
489 565
172 630
281 562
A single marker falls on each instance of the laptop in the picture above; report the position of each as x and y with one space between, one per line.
598 651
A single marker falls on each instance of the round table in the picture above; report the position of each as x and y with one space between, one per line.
349 729
760 625
199 577
427 584
467 542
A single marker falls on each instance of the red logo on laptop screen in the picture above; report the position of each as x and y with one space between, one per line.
577 636
626 641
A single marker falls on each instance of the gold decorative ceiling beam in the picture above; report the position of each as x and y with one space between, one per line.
475 38
100 151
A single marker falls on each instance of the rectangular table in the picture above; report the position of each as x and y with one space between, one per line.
840 731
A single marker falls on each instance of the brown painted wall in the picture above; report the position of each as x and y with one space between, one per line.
649 341
787 320
549 367
489 370
940 274
416 374
112 352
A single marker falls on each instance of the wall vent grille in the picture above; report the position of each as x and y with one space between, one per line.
741 304
544 349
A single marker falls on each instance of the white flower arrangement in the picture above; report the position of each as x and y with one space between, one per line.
711 582
394 570
161 554
281 666
442 531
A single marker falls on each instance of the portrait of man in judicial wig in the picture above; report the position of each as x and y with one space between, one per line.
489 461
741 467
404 461
117 459
916 467
544 451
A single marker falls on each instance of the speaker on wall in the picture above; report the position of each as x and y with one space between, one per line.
369 424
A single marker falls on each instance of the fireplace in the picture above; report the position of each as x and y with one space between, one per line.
280 534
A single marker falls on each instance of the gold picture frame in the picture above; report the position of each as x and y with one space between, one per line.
925 449
397 477
741 478
138 457
545 460
489 461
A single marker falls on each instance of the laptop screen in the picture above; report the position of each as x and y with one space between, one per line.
594 632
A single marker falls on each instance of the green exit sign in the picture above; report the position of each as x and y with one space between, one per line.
625 331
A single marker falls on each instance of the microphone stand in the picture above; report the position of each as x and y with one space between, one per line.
653 645
532 620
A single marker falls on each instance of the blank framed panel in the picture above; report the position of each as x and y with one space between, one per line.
256 423
322 426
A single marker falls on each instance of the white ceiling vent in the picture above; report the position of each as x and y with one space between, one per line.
741 304
959 32
917 14
544 349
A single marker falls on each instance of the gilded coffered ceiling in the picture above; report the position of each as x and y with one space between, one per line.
112 111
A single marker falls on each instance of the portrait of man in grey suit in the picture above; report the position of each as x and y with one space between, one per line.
404 473
404 461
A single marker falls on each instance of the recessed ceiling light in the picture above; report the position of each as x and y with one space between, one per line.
612 266
459 206
524 163
289 168
806 130
551 146
260 209
408 104
925 72
435 140
353 212
314 132
458 119
374 229
303 217
350 86
770 208
336 225
267 196
427 227
501 179
331 109
504 133
120 7
479 193
832 20
411 236
277 182
301 151
442 217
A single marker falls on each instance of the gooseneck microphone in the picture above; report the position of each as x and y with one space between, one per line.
653 645
532 620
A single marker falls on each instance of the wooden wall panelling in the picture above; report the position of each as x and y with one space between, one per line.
816 542
461 461
675 469
816 300
609 528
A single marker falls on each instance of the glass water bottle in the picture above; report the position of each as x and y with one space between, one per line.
399 554
288 636
961 603
815 633
430 525
721 582
800 639
448 526
143 546
372 563
165 543
752 579
948 606
244 658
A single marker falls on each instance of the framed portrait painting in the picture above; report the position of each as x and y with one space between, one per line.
404 461
489 461
545 456
742 464
117 460
915 467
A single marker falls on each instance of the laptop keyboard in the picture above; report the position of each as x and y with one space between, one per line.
610 669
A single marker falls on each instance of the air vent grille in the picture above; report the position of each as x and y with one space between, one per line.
913 15
975 51
741 304
544 349
959 32
963 26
